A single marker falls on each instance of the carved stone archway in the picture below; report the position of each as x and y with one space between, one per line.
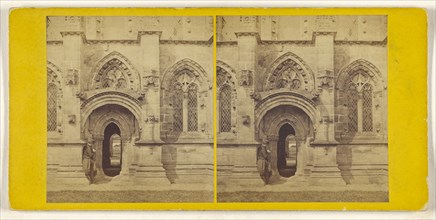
285 99
96 124
270 126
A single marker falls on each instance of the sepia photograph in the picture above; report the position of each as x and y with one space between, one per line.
302 109
129 102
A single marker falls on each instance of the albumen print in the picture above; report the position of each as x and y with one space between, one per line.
128 109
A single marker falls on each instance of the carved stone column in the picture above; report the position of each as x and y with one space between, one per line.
72 37
272 146
247 44
325 170
126 152
98 146
150 86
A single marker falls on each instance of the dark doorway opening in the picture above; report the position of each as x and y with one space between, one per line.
286 151
112 150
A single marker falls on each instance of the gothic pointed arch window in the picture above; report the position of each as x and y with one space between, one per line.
185 102
358 95
226 95
185 91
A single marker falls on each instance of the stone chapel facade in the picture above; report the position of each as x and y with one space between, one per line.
141 87
314 88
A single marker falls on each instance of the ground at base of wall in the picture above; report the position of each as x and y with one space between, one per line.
309 196
129 196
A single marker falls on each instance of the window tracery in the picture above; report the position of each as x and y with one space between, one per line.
185 102
112 75
290 72
359 102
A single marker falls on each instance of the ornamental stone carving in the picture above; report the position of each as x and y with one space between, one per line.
246 78
72 119
71 78
81 95
326 80
255 96
151 80
151 119
246 120
116 72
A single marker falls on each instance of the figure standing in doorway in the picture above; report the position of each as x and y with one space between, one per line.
88 160
264 162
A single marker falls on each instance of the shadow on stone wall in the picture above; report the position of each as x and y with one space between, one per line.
344 158
169 156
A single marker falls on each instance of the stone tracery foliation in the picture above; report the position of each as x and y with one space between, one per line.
115 72
112 75
290 72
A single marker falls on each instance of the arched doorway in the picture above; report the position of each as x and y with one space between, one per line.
114 129
112 150
288 130
286 151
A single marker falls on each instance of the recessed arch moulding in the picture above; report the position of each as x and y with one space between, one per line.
269 128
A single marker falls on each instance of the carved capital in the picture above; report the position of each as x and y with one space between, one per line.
326 120
255 96
326 80
151 80
141 96
72 77
246 120
272 138
81 95
151 119
246 78
72 119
